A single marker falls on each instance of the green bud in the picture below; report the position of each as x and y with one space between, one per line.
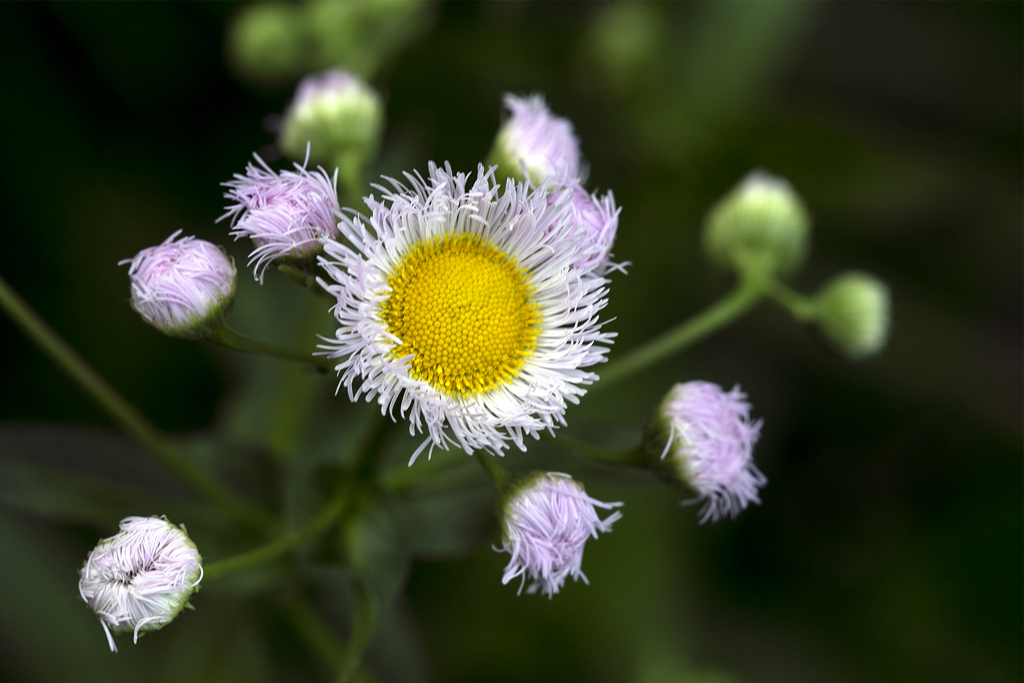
761 223
854 310
340 117
625 40
267 41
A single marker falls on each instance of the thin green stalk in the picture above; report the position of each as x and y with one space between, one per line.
314 631
801 306
747 292
371 449
233 340
633 457
453 470
341 503
272 550
496 471
312 628
124 413
364 622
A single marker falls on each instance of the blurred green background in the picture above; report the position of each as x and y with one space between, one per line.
889 543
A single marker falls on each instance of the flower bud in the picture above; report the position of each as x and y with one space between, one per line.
854 310
287 214
546 520
339 117
267 41
141 578
183 288
536 140
597 219
761 223
702 436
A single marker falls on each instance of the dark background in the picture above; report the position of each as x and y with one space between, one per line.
888 546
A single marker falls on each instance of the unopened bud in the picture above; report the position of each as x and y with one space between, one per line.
597 220
339 117
854 310
761 223
546 520
183 288
286 214
267 41
140 579
536 140
702 437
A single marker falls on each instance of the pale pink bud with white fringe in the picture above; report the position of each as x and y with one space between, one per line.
702 436
183 288
141 578
287 215
597 220
535 141
546 520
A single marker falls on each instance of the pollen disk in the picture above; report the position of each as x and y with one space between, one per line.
464 312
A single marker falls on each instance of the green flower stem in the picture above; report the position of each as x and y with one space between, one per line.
342 502
497 472
314 631
749 290
371 449
124 413
233 340
312 628
801 306
364 621
448 469
633 457
282 545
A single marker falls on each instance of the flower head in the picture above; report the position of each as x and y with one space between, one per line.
286 214
854 310
761 222
458 307
183 288
598 219
546 521
141 578
338 115
536 139
702 436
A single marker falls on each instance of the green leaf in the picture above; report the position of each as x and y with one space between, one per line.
84 475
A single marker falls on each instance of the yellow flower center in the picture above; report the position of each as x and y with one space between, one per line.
463 311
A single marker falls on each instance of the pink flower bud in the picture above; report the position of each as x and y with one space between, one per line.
287 215
597 221
702 436
183 288
141 578
547 519
538 140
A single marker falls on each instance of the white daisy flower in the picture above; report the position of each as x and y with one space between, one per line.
459 306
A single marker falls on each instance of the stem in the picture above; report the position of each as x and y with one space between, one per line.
801 306
371 449
497 472
747 292
280 546
123 412
314 631
633 457
365 469
233 340
364 621
321 638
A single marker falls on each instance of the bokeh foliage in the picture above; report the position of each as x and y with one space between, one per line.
888 546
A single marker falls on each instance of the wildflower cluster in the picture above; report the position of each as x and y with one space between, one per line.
470 305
